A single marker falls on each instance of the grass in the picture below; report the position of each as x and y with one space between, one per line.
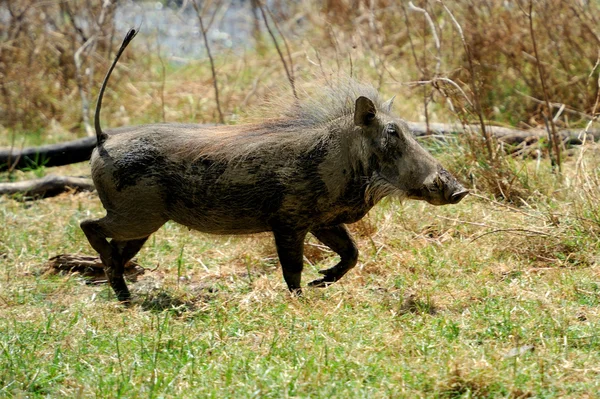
435 308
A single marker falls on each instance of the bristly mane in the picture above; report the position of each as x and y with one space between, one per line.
332 103
302 126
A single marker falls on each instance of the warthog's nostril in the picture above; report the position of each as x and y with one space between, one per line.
456 197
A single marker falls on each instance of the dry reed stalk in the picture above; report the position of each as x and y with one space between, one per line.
162 81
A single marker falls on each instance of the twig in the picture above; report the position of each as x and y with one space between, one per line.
289 74
378 56
427 97
566 108
486 134
212 63
512 208
319 63
589 185
108 7
87 47
462 221
255 86
442 79
552 135
85 104
412 46
531 232
287 48
10 164
351 65
336 47
433 32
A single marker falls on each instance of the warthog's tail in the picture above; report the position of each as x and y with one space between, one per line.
100 135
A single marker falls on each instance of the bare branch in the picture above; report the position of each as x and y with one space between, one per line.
285 43
85 104
525 232
212 63
427 97
559 105
433 32
552 135
88 47
289 74
486 135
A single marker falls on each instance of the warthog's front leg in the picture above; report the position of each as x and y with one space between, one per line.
290 249
338 239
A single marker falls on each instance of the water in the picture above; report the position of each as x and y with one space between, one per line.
177 31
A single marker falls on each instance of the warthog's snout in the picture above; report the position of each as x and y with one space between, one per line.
454 192
457 196
440 188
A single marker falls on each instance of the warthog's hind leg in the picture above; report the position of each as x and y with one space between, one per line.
339 240
115 254
109 254
123 252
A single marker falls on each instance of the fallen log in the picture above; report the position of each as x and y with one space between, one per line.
66 153
47 155
48 186
504 134
80 150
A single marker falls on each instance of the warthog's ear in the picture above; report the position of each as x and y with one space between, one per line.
387 106
364 112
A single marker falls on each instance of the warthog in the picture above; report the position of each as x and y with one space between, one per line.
320 166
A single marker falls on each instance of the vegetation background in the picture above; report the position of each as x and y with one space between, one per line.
495 297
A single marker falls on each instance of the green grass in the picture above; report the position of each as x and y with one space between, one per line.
433 309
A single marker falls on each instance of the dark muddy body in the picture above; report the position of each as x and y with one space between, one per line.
224 196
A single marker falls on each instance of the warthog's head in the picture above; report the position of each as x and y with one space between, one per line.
403 167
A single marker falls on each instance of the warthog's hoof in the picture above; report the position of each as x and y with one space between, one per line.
124 298
321 282
331 275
